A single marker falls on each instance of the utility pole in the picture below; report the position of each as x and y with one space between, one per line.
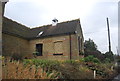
117 51
109 36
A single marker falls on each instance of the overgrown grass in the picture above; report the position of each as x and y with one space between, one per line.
41 63
70 69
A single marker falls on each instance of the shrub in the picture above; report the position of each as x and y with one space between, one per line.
90 58
2 57
107 60
96 60
70 61
35 53
82 60
81 53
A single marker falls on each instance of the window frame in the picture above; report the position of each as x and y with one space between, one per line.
37 52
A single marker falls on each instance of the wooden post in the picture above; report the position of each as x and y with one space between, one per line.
94 74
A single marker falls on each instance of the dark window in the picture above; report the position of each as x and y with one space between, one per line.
39 49
58 54
79 43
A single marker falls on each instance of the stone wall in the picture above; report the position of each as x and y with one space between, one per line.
0 28
74 47
14 45
48 47
80 33
0 39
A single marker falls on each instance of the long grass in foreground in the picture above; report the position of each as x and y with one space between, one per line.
54 69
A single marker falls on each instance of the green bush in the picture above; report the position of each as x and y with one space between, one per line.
82 59
81 53
35 53
70 61
96 60
90 58
107 60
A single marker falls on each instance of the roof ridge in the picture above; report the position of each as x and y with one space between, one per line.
78 19
41 26
16 22
71 20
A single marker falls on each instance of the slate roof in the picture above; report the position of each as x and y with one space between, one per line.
14 28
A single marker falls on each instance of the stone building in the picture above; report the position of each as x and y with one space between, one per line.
2 3
2 6
59 41
0 27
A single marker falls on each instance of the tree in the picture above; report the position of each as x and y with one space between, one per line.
91 49
90 45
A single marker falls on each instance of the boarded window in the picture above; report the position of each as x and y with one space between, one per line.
58 48
39 49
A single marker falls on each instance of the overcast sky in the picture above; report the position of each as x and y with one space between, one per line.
92 14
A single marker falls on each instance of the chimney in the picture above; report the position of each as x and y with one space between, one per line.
54 22
3 5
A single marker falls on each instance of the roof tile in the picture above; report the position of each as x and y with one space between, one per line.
14 28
